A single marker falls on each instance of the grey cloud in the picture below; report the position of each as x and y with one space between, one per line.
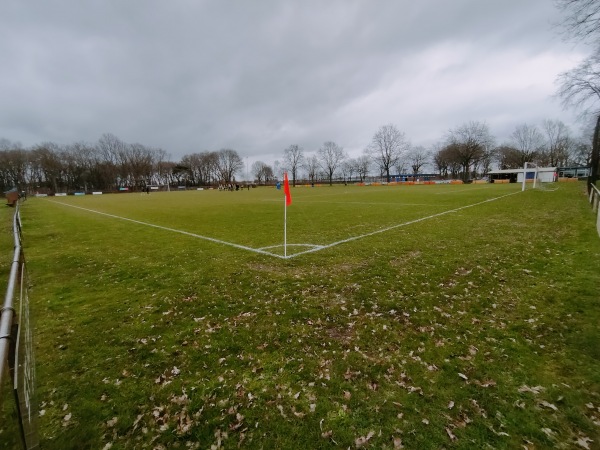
257 76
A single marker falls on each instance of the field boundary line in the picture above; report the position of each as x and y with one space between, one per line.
316 247
187 233
460 191
383 230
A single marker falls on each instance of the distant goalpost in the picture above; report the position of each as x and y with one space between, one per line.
540 178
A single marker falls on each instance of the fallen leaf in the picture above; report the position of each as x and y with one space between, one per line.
534 390
548 405
451 435
112 422
398 443
584 441
360 441
463 376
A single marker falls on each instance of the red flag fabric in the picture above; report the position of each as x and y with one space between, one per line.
286 190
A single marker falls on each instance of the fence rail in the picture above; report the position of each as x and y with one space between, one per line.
594 200
16 342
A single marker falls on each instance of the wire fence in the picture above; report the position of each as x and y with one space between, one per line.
594 200
16 342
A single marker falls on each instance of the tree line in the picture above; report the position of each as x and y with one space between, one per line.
468 151
579 87
109 164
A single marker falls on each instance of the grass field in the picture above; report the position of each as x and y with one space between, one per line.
403 317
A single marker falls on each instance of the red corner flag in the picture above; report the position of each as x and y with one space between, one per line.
286 190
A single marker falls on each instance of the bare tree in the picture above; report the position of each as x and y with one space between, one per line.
580 86
202 167
311 165
508 157
229 163
262 172
441 162
581 153
330 157
349 168
363 165
469 142
14 161
48 165
387 146
292 158
582 18
417 157
111 150
401 165
558 142
528 141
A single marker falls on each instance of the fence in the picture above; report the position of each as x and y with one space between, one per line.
594 200
16 343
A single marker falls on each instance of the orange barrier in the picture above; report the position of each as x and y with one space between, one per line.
456 182
568 180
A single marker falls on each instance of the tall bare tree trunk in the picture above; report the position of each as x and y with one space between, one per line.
595 160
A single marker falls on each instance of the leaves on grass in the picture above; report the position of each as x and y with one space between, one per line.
362 440
584 442
451 435
534 390
545 404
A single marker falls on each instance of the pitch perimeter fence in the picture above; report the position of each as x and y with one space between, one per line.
594 201
16 343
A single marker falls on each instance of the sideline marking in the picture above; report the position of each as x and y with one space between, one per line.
315 247
460 191
187 233
383 230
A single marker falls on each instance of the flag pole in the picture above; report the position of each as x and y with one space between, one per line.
284 227
288 201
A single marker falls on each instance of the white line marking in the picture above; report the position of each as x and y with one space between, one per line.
460 191
303 201
316 246
343 241
199 236
312 250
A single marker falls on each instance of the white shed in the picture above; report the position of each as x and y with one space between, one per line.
544 174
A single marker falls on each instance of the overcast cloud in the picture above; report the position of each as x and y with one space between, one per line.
257 76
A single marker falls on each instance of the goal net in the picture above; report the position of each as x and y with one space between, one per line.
535 177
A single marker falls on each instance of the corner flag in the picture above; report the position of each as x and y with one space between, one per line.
286 190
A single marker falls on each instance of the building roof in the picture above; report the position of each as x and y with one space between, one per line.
520 170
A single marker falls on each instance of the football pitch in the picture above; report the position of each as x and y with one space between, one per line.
319 219
447 316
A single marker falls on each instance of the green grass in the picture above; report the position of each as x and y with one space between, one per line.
472 328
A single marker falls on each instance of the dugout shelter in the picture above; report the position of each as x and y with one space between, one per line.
544 174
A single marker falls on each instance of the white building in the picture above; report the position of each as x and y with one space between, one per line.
544 174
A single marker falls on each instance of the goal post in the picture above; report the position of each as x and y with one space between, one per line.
530 170
539 177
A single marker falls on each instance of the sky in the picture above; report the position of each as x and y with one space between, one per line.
258 76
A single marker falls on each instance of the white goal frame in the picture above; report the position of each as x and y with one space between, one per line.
540 178
535 171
